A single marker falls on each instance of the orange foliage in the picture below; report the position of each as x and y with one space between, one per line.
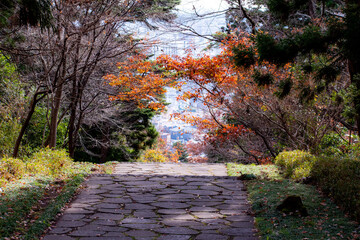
139 82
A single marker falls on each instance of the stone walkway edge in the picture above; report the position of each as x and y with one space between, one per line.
162 201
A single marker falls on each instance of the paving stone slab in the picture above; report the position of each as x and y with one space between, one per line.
114 211
240 218
142 226
232 207
140 233
71 217
77 211
205 203
138 220
172 211
214 221
203 227
245 238
80 199
145 214
203 209
181 223
87 233
105 222
179 217
60 230
201 192
210 231
186 187
107 216
174 182
165 191
207 236
176 230
230 212
107 205
95 191
138 206
238 232
142 199
211 188
113 194
107 238
57 237
96 227
207 215
178 196
171 205
174 237
80 205
70 224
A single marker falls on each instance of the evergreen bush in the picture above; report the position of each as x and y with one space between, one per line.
340 179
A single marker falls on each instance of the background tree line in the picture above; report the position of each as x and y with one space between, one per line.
53 57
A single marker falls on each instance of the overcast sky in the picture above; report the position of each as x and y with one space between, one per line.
175 42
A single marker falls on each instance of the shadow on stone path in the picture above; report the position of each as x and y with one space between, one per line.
158 201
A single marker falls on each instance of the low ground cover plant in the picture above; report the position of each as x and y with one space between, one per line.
325 220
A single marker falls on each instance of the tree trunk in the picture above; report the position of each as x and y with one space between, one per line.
72 132
54 115
26 123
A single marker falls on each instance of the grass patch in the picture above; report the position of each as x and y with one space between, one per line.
325 220
16 203
260 171
53 208
28 205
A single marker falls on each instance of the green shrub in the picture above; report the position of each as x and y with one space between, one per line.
295 164
49 162
340 178
12 102
11 168
332 144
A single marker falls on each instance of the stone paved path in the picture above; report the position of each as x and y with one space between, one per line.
158 201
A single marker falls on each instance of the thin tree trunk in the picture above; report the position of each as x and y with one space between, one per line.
26 123
54 115
73 108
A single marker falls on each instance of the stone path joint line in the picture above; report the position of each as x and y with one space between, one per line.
161 201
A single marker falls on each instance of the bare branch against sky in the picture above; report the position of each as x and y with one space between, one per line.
196 22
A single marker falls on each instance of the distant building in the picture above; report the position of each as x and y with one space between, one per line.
166 137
